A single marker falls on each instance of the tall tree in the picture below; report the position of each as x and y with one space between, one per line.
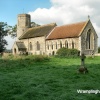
3 33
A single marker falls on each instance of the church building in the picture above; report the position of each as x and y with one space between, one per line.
47 39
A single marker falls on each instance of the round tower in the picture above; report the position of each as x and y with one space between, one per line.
24 22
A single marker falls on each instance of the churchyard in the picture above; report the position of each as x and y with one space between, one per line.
44 78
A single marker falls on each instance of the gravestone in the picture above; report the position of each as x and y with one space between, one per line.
82 68
83 59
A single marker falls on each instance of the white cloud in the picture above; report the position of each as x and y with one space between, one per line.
69 11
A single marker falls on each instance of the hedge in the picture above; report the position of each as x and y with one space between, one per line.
64 52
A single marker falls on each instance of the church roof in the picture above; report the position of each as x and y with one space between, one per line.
67 31
20 45
38 31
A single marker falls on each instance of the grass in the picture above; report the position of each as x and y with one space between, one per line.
23 78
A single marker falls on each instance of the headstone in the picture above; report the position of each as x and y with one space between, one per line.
82 68
83 59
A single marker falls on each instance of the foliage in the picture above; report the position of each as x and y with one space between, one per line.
33 24
64 52
12 31
39 58
99 49
25 79
33 58
3 33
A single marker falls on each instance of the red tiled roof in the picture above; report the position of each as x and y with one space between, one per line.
67 31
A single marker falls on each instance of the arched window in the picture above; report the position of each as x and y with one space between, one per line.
89 40
48 46
56 45
52 46
72 45
66 44
60 44
53 53
30 46
38 45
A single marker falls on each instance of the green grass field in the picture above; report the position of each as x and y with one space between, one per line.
55 79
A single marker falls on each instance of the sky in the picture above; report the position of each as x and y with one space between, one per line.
49 11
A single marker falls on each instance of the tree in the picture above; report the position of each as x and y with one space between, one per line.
33 24
3 33
12 30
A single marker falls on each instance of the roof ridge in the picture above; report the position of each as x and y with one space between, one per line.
48 24
43 26
72 23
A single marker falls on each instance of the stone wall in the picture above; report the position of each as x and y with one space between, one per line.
53 45
33 41
48 47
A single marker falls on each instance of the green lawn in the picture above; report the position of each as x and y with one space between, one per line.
57 79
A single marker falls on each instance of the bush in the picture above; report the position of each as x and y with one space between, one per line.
39 58
64 52
99 49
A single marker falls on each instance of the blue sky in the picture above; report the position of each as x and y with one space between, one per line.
9 9
60 12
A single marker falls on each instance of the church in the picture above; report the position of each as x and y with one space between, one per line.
47 39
